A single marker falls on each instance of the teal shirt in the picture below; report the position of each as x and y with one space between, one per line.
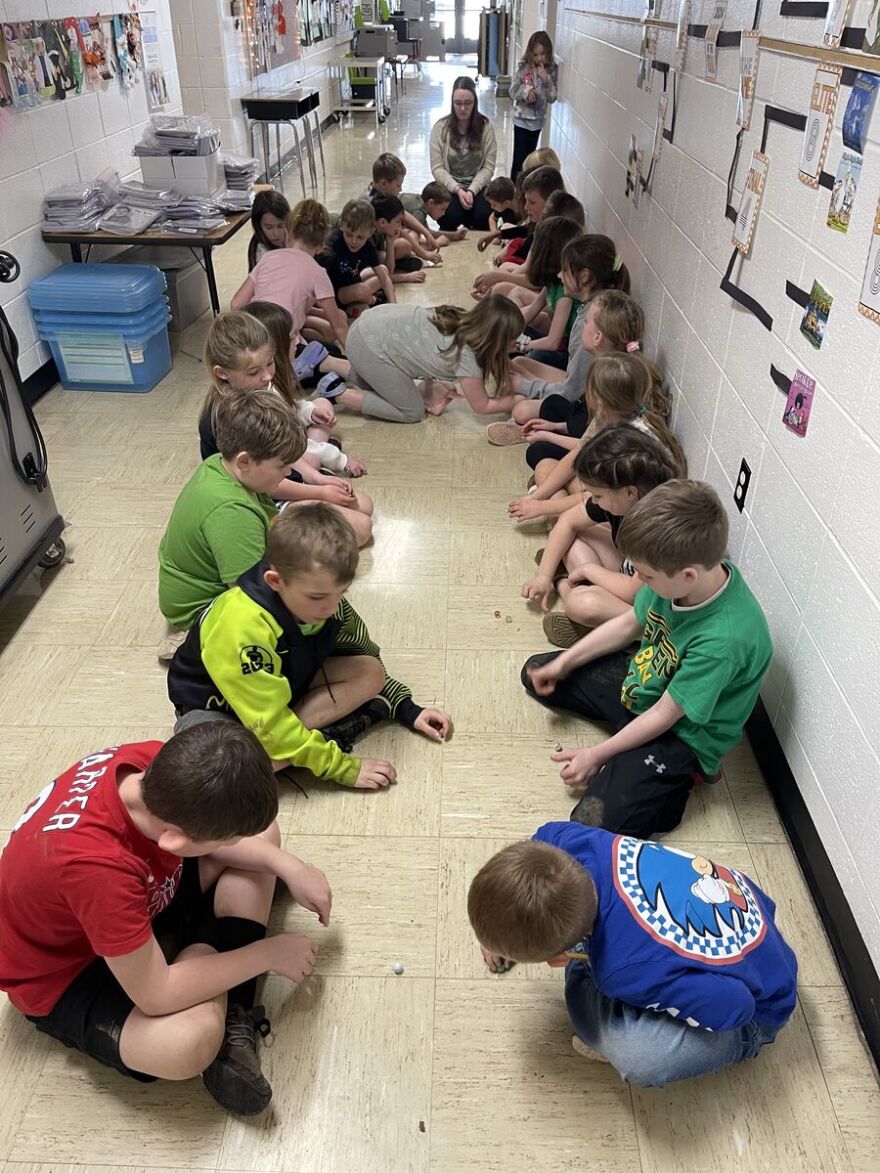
711 658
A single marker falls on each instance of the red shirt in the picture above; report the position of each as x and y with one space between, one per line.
78 880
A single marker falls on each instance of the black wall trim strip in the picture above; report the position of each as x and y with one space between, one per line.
853 39
744 299
802 8
729 40
781 380
784 118
800 296
861 978
826 180
848 77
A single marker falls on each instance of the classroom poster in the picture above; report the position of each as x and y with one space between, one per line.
815 319
750 204
748 75
834 21
711 42
681 34
799 403
154 73
843 194
871 43
820 120
857 116
869 298
660 126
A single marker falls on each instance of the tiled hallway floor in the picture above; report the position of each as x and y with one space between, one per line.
446 1067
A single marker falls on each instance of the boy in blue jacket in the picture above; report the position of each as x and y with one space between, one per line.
674 965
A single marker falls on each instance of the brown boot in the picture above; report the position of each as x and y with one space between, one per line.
562 631
235 1078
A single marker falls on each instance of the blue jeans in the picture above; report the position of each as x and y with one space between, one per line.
649 1048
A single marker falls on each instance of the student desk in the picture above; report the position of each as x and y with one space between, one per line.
196 242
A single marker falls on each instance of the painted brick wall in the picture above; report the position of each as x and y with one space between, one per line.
809 539
62 142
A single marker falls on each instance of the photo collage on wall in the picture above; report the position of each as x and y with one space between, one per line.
47 60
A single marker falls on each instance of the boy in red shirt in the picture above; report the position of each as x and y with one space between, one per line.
147 843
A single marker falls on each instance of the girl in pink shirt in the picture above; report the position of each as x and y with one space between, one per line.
292 278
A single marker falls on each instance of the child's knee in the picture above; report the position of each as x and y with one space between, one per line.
364 503
373 674
402 247
522 411
199 1034
412 413
584 605
361 525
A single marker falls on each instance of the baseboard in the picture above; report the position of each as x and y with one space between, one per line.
42 380
859 974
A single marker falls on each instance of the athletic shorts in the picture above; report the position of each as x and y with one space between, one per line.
90 1014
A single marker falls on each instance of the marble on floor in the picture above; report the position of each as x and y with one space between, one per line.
446 1067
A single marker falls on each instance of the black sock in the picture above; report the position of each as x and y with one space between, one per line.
234 932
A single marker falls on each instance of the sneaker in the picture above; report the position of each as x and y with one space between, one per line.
235 1078
504 435
586 1052
306 363
169 645
329 386
562 631
409 265
347 730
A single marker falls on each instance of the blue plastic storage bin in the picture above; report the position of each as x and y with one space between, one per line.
106 325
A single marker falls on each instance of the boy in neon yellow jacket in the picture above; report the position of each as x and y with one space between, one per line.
287 655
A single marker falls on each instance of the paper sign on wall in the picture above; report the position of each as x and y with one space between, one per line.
645 76
834 21
816 314
843 194
711 42
869 298
859 108
748 74
750 204
799 403
820 120
681 34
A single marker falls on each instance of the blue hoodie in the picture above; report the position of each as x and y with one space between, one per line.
678 933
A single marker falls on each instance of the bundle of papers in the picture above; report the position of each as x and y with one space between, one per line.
76 207
126 221
240 172
137 195
234 200
171 134
194 227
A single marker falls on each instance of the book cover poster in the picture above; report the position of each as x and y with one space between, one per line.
820 120
799 403
843 194
815 319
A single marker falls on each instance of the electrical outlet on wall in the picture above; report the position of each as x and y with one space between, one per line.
742 485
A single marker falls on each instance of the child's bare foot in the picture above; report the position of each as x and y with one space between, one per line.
437 395
410 278
355 467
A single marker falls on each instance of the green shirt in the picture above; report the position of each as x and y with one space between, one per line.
217 531
554 292
711 658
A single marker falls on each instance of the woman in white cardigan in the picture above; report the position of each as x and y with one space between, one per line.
463 153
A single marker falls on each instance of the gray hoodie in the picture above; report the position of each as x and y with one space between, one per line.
532 115
579 362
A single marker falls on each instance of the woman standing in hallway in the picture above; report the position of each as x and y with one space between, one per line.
463 154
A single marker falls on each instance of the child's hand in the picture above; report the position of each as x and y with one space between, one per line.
530 426
525 508
494 961
484 282
375 774
293 956
355 467
537 590
337 494
310 888
323 414
545 678
583 574
580 764
458 234
434 724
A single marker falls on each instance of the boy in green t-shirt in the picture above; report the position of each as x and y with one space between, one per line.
680 703
220 521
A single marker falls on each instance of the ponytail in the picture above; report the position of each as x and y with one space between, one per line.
623 385
596 255
621 456
309 222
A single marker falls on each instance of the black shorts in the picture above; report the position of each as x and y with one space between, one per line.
90 1014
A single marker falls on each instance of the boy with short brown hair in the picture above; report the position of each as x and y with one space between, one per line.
389 172
146 842
285 653
681 702
674 965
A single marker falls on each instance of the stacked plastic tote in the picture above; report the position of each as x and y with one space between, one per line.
106 325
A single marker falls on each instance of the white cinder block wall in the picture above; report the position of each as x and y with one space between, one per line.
212 60
809 539
58 143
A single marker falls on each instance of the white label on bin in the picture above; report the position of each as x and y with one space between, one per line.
136 352
94 358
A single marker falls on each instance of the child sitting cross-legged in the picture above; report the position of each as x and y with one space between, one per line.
674 966
220 521
502 199
286 654
680 704
403 266
352 262
147 843
413 245
616 469
431 202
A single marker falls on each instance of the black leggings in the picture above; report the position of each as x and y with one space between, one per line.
524 142
558 409
475 217
641 792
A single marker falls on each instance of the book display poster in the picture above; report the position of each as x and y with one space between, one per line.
750 204
820 120
869 298
843 194
857 115
815 319
799 403
834 21
681 34
748 74
711 42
